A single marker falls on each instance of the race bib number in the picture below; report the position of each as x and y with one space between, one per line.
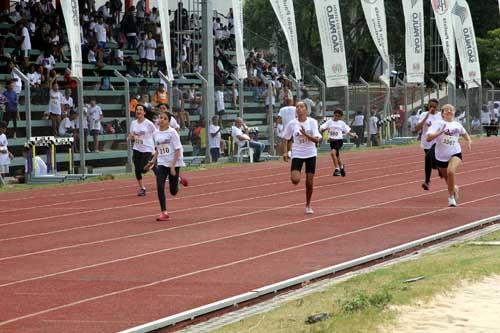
449 140
335 134
163 149
139 140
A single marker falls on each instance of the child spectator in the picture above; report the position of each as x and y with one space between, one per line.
34 77
141 50
67 99
160 96
215 139
55 107
67 126
219 102
11 107
95 117
5 154
150 47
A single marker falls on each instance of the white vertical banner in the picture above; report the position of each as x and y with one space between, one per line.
72 21
332 42
286 16
165 34
444 23
374 11
415 41
238 33
466 43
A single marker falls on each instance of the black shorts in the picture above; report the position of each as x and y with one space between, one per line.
444 165
310 164
336 144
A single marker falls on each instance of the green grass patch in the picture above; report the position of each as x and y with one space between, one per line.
366 303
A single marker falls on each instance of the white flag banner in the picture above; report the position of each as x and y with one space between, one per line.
286 16
466 43
332 42
238 32
374 11
415 41
165 34
72 21
444 23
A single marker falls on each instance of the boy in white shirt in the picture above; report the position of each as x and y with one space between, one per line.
5 155
67 125
448 153
95 117
305 134
336 128
214 139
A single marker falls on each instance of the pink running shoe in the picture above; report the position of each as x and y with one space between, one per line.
183 181
163 217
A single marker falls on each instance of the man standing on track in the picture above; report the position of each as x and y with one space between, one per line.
305 134
425 121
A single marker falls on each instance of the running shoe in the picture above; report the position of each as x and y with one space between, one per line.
342 171
141 192
308 210
336 173
452 202
425 186
163 217
456 193
183 181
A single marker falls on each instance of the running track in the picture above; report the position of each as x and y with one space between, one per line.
92 258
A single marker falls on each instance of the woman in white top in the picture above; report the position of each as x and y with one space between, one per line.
448 153
150 46
55 107
305 134
141 132
168 156
336 128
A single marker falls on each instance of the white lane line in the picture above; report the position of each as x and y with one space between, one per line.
233 263
236 235
146 202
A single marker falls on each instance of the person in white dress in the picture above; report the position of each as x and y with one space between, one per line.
425 122
150 48
168 157
305 134
337 128
448 153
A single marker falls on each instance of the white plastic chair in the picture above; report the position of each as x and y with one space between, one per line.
244 150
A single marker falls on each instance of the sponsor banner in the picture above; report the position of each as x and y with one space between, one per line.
415 40
286 16
165 34
444 23
466 43
72 21
332 42
374 11
238 32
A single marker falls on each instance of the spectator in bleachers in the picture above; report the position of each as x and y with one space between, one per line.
219 103
183 117
55 107
105 84
11 106
52 78
160 96
141 14
67 99
5 154
129 28
85 131
91 55
118 56
239 132
105 11
47 60
34 77
67 125
181 17
18 84
25 42
95 116
141 50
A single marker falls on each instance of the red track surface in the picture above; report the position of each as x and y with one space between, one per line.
92 258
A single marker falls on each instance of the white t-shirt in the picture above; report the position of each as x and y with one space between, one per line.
235 132
302 147
35 78
214 142
150 49
358 120
219 100
41 167
85 122
485 117
4 152
68 101
143 135
372 125
55 102
66 125
166 143
447 143
27 39
94 115
287 114
431 120
336 129
100 30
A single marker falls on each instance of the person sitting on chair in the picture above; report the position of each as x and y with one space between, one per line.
239 132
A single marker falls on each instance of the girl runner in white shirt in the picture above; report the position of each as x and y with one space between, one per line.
169 158
141 132
336 128
448 154
305 134
425 121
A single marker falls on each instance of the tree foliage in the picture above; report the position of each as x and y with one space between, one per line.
262 30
